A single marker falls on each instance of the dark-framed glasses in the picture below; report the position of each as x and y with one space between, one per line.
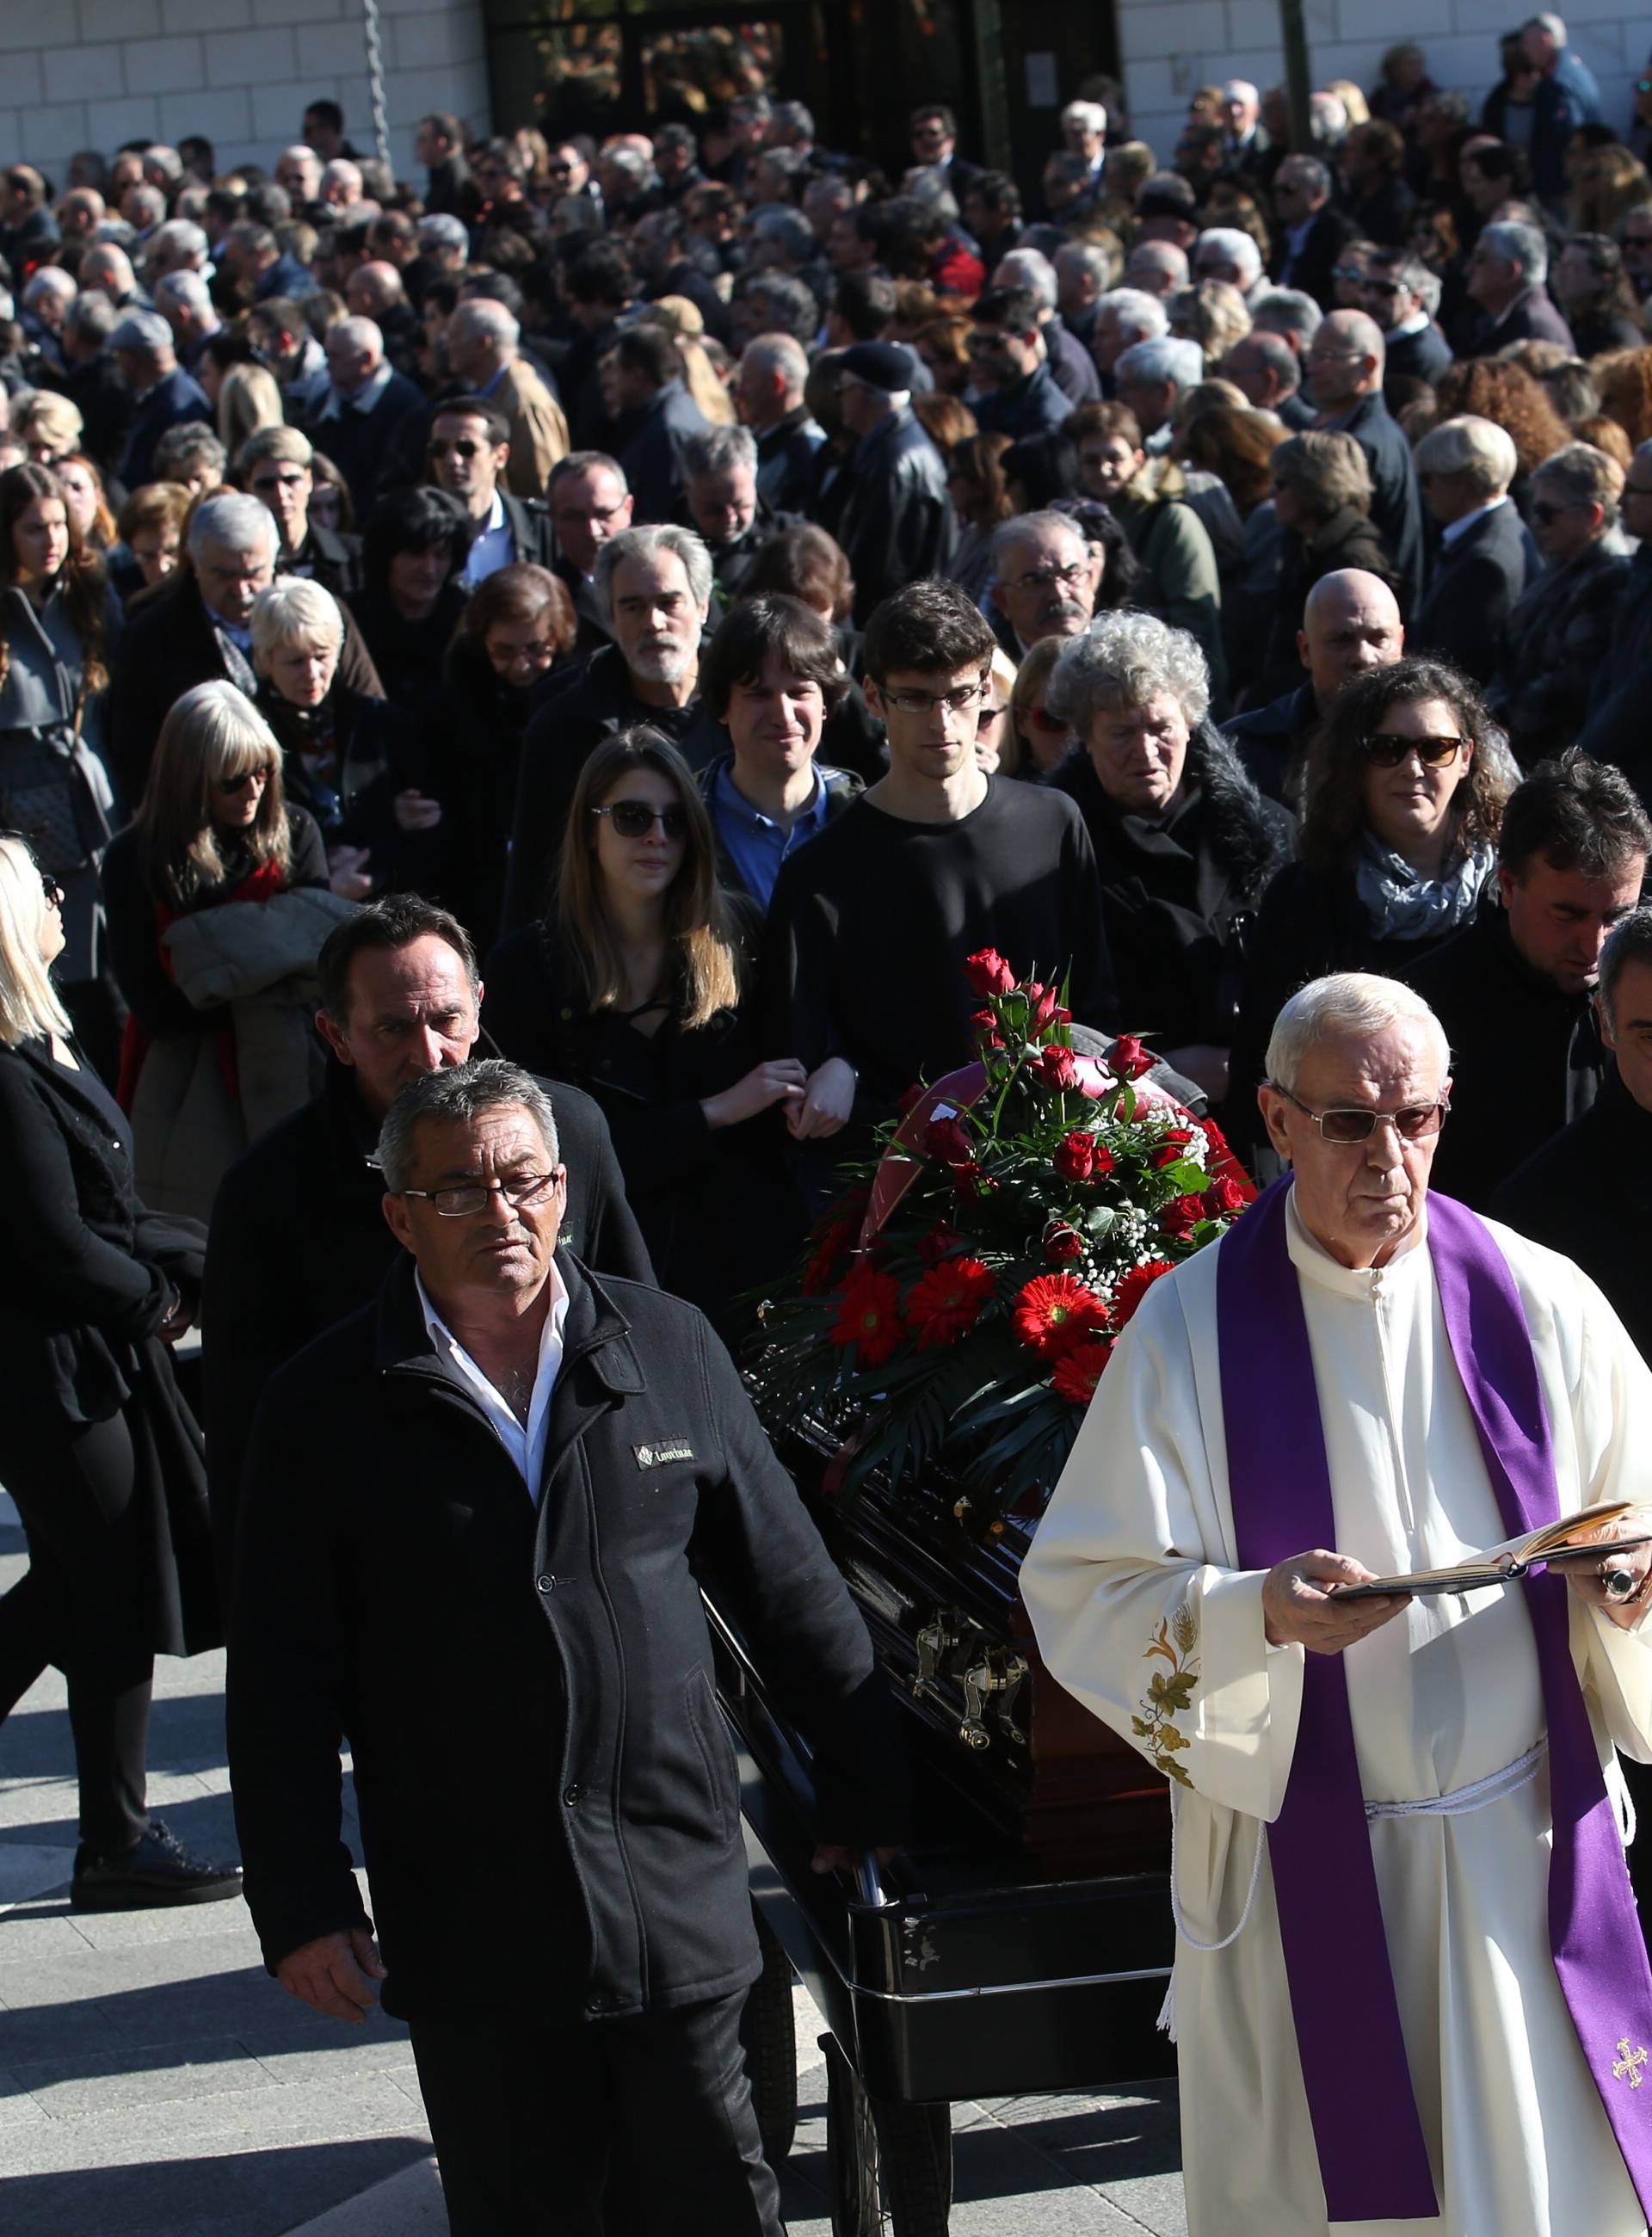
1543 509
51 889
1387 751
1041 579
1414 1123
262 484
230 786
464 1199
462 446
635 819
925 702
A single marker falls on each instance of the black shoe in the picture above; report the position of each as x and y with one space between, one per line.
157 1871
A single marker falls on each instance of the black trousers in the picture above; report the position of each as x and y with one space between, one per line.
74 1489
654 2112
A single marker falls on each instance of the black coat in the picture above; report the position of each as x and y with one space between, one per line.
1479 578
408 655
1349 538
1177 898
651 453
377 754
1035 405
1588 1191
1421 356
714 1205
896 523
1560 638
1271 741
1527 1059
546 1670
94 1276
1308 924
97 389
299 1242
177 402
330 558
786 455
358 443
1616 729
1312 268
168 647
580 708
1531 318
1397 499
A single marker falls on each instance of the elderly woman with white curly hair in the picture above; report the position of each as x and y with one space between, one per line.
1184 841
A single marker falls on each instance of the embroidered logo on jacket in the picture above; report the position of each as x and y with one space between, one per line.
656 1455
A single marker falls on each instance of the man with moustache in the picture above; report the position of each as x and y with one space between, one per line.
655 585
1044 580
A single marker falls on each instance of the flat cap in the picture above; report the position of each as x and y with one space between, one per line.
141 330
880 365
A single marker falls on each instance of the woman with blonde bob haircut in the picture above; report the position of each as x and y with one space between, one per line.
96 1446
636 986
213 985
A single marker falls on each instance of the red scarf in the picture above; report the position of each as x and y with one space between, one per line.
259 885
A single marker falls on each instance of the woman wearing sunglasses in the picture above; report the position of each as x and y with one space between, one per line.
219 1045
636 986
96 1446
58 621
1407 778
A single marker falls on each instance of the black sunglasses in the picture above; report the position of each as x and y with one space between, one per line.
635 819
1386 751
229 786
462 447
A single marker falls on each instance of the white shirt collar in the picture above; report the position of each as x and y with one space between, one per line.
524 1441
1416 324
1462 527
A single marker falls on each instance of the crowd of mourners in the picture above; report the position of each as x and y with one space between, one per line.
648 611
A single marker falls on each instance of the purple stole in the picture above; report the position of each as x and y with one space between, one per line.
1373 2160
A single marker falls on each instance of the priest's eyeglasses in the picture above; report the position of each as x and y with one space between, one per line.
1413 1124
465 1199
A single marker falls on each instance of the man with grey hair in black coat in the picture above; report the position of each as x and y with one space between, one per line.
486 1576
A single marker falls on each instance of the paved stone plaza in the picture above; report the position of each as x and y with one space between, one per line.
154 2082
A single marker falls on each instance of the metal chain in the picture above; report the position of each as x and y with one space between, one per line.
375 79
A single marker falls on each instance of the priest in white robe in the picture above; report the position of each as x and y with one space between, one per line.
1143 1609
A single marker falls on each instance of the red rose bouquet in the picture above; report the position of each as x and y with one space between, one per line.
962 1301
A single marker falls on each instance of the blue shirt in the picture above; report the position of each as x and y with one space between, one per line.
754 843
492 547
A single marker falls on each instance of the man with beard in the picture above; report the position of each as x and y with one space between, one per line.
1044 580
656 585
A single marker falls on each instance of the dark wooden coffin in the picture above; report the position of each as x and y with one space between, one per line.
946 1616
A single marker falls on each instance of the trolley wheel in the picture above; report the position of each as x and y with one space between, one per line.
769 2034
889 2166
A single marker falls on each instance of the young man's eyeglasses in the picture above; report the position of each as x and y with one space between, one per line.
635 819
1386 751
462 446
1413 1123
925 702
464 1199
261 484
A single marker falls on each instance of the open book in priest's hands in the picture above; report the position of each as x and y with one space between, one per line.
1574 1538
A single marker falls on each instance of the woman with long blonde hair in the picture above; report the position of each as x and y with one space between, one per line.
96 1446
215 834
638 987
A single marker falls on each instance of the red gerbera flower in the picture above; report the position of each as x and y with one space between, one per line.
869 1318
1134 1286
946 1302
823 1267
1078 1371
1053 1313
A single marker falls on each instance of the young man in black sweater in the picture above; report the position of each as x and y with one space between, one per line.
872 919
